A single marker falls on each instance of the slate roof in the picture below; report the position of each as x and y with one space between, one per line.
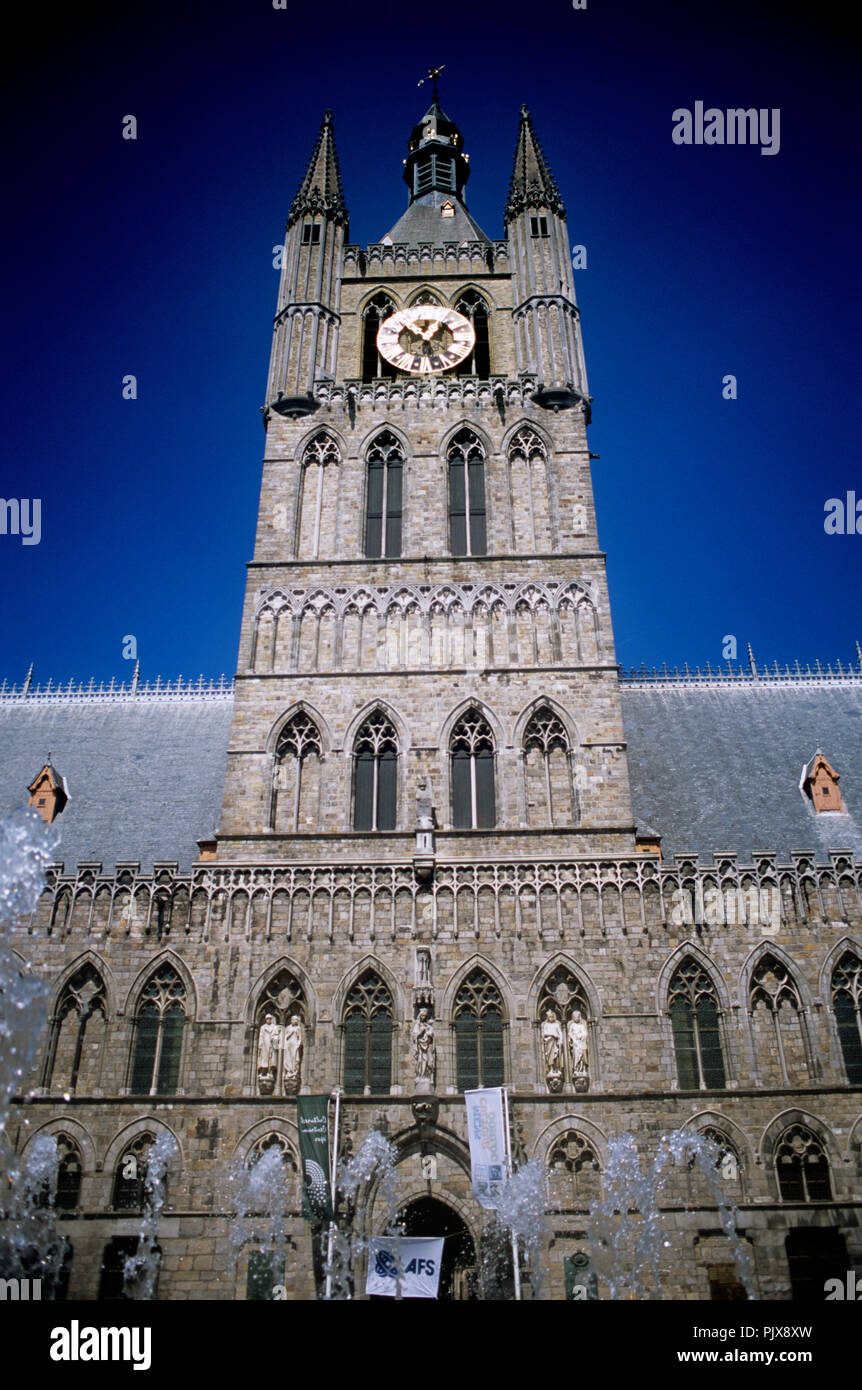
144 774
423 223
719 768
712 768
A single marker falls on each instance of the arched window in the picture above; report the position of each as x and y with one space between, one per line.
694 1019
528 479
728 1168
374 313
383 497
776 1014
563 1015
78 1032
547 770
296 776
375 755
473 307
802 1167
472 753
573 1172
478 1033
159 1034
130 1178
319 469
847 1004
280 1036
368 1037
267 1144
69 1169
467 526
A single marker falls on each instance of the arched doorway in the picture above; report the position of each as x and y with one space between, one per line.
428 1216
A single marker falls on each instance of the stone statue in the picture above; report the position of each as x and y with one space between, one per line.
424 1048
268 1048
552 1049
424 806
578 1049
292 1052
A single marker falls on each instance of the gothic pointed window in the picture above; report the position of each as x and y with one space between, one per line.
368 1037
383 497
478 363
69 1169
573 1172
78 1033
296 775
847 1006
547 770
374 313
802 1167
695 1021
478 1017
472 755
158 1036
317 504
375 758
528 481
467 522
130 1176
777 1024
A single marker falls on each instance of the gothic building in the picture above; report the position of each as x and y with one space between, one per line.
429 800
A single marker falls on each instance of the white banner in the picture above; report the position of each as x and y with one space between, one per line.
416 1259
487 1134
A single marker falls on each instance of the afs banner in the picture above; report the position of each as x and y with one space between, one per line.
312 1118
487 1134
417 1258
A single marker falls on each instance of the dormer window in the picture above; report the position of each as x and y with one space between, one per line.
48 792
819 782
447 210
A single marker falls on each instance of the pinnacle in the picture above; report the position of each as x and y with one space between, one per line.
321 190
532 184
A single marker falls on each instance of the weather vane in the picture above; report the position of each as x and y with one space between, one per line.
433 74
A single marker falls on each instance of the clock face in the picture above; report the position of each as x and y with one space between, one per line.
426 338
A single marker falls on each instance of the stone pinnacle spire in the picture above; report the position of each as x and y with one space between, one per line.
320 190
532 184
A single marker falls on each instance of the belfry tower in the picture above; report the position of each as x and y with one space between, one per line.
427 622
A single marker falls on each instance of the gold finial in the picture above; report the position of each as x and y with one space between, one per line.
433 74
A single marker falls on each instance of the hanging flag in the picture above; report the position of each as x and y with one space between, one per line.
487 1134
413 1262
312 1118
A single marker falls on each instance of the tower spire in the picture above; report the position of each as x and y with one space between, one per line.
532 184
321 190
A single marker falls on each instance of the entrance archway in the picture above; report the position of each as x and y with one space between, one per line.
427 1216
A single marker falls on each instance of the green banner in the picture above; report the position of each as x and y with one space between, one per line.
312 1118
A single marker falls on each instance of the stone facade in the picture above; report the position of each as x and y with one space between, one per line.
714 996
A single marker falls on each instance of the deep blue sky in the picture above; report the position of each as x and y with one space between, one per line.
154 257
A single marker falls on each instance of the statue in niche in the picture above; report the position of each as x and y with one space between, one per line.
425 819
424 1048
268 1048
553 1049
579 1050
292 1049
423 968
